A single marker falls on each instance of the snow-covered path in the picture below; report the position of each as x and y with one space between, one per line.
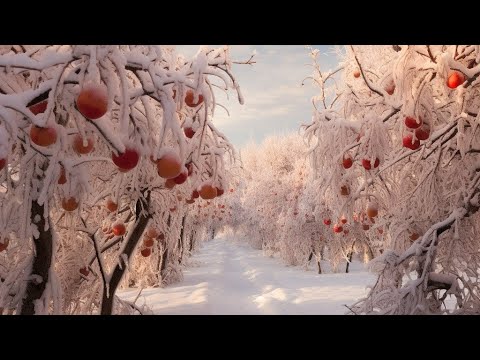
231 278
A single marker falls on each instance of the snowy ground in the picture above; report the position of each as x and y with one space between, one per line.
230 278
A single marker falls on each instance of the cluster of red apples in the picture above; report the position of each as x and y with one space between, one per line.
92 102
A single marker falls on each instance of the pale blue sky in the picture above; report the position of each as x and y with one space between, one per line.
275 101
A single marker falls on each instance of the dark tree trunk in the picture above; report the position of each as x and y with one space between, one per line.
190 248
370 252
132 241
318 262
41 262
164 261
350 256
181 240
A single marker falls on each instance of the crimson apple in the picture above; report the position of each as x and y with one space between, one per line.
412 123
423 132
126 160
455 79
189 132
367 164
92 101
408 142
190 98
78 146
39 107
43 136
347 162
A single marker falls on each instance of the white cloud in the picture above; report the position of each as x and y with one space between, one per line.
274 98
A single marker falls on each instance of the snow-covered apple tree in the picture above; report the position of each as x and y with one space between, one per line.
103 152
394 146
270 211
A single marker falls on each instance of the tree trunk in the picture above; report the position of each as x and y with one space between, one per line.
350 255
181 240
369 252
191 242
164 261
319 266
41 262
132 241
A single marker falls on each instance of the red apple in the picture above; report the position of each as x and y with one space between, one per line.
412 123
220 191
207 191
455 79
92 101
127 160
148 242
111 205
3 162
414 236
190 98
347 162
146 252
119 229
152 232
190 201
78 146
365 227
408 142
39 107
195 194
337 228
70 204
189 132
169 165
345 190
368 165
43 136
182 177
343 220
4 244
327 221
356 74
372 210
390 88
423 132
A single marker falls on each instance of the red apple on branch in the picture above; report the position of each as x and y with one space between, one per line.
92 101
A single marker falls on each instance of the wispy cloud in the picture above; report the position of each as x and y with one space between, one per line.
275 100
